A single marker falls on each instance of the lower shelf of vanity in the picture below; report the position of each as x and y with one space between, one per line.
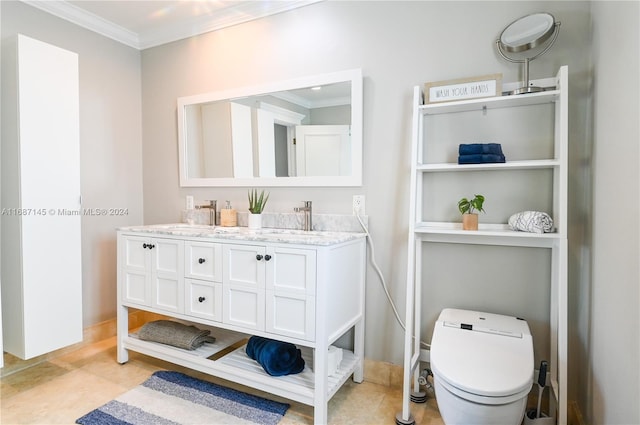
226 358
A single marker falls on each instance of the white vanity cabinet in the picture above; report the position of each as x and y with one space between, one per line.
307 290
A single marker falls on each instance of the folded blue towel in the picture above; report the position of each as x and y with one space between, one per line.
480 148
277 358
480 158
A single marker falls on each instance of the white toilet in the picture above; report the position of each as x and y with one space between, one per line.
482 365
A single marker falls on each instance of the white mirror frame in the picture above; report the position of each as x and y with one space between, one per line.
355 179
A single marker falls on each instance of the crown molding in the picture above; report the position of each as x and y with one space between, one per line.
90 21
237 14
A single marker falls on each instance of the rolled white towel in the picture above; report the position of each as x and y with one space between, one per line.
531 221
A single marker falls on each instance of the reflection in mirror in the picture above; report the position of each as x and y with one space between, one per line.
305 132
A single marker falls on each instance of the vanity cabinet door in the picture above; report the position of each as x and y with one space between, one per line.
203 299
153 273
243 285
203 260
167 274
136 272
290 292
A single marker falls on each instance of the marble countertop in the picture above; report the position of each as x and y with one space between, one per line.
293 236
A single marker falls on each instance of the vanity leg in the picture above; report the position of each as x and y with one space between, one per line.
122 332
320 361
358 351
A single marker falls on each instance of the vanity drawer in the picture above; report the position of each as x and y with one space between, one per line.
203 260
203 299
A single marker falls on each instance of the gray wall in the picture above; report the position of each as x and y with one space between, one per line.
609 350
110 142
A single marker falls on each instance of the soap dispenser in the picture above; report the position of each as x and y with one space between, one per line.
228 216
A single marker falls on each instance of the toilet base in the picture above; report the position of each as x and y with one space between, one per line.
455 410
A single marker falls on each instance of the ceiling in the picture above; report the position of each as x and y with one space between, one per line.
143 23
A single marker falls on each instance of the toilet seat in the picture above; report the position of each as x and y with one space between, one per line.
482 357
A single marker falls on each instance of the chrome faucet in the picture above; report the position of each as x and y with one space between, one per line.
307 215
213 213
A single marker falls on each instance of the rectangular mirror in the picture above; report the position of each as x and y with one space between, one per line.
302 132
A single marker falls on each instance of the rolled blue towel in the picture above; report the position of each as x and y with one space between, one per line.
480 148
277 358
480 158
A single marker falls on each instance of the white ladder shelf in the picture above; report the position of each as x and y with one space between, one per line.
422 230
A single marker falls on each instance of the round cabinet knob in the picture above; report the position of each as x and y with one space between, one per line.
267 257
201 260
258 257
201 299
144 245
151 246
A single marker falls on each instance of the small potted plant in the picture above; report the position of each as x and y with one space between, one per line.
467 208
256 206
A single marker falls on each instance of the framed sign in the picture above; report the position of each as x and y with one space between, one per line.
463 89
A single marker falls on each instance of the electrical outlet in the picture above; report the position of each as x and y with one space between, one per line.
358 204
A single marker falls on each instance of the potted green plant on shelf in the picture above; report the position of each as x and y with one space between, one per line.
256 206
467 208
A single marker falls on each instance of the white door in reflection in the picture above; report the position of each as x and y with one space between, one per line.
323 150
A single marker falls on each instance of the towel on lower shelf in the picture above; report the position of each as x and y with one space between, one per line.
479 148
277 358
175 334
531 221
480 158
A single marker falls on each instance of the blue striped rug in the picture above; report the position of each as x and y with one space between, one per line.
173 398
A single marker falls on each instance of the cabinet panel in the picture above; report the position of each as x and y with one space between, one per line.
166 257
203 299
203 261
137 288
167 294
291 270
291 315
167 274
243 306
244 265
136 271
135 256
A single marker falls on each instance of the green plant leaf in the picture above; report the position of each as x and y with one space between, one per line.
469 206
464 205
257 202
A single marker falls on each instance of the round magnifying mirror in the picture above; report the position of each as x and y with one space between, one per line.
527 32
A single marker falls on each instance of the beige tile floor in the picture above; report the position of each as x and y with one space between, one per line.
60 390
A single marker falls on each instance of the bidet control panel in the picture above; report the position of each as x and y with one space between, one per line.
477 328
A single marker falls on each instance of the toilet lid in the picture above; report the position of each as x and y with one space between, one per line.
482 354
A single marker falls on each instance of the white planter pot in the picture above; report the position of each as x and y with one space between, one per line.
254 221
